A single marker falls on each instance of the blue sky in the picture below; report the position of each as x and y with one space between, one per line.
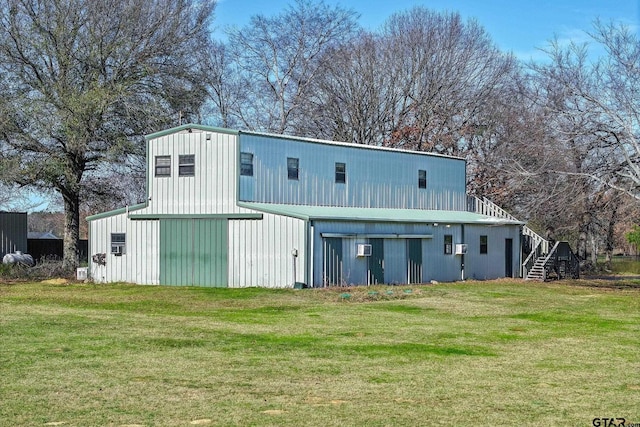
518 26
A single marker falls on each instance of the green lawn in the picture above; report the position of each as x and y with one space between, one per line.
474 353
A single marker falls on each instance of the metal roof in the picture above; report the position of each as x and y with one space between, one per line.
192 127
349 144
338 213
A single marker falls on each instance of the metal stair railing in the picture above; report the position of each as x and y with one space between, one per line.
538 271
540 245
531 259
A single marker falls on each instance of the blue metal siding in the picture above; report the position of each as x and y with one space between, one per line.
492 264
436 264
354 267
374 178
395 261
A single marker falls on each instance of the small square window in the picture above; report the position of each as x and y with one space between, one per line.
163 165
118 243
341 173
293 168
484 246
187 165
448 244
246 164
422 178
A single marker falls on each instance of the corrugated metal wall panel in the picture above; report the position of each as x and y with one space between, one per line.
395 261
492 264
261 251
140 262
354 267
13 232
435 264
374 178
212 190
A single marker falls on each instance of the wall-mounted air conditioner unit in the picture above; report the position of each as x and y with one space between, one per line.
364 250
461 248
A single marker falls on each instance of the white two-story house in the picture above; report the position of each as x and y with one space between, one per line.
230 208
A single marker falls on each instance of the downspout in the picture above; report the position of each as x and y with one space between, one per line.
309 252
462 256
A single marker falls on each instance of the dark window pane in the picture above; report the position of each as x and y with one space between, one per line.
422 178
448 244
187 165
246 164
292 168
341 173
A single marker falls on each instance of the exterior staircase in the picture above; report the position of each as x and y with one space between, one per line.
559 263
538 270
542 263
539 245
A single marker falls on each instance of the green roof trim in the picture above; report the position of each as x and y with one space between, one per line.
197 216
117 211
190 126
337 213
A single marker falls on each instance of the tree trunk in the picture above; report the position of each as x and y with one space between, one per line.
594 250
582 243
609 242
71 231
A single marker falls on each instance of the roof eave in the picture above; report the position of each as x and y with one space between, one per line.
190 127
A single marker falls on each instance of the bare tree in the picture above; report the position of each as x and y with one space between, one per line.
448 72
14 198
279 58
584 142
82 80
597 105
427 81
226 87
354 98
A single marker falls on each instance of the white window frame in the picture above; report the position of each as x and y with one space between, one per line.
119 244
448 244
187 165
159 170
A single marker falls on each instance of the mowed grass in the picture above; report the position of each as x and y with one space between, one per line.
474 353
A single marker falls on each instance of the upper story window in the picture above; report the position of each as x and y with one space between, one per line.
118 243
246 164
422 178
484 245
187 165
341 173
448 244
163 166
293 168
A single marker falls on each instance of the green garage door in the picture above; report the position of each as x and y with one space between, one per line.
194 252
376 262
332 261
414 260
